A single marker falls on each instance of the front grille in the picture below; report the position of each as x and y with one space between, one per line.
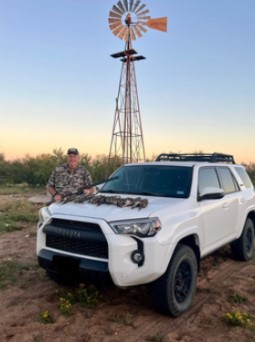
83 238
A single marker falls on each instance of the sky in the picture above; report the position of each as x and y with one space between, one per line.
58 82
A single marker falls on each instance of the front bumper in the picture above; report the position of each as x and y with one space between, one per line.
63 264
118 261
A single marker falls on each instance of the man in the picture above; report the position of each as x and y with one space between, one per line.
70 178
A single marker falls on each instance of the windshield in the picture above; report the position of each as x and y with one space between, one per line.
151 180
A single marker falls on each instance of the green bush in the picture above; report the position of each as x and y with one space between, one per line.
13 212
10 271
37 170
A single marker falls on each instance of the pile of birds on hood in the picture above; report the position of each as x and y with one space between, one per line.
136 202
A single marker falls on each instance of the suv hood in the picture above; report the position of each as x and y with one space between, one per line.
109 212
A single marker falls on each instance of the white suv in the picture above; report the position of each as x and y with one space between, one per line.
151 223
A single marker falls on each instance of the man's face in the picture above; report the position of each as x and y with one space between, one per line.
73 160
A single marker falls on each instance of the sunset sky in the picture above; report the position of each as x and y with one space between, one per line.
58 83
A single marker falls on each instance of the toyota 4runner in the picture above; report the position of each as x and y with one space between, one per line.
151 223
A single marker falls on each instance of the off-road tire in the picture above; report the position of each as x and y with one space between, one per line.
243 248
172 293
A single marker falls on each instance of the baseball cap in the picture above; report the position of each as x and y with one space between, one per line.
73 150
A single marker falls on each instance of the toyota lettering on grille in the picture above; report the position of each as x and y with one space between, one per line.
69 233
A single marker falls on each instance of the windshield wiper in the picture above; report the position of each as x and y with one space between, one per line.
110 191
147 193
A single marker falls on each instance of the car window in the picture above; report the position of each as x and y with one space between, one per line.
207 177
227 180
244 176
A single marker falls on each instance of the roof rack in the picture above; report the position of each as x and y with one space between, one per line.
202 157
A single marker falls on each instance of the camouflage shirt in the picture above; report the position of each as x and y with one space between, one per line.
69 183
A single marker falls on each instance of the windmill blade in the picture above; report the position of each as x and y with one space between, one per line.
158 24
136 5
126 35
113 20
115 32
144 18
122 32
131 5
118 29
114 15
138 33
115 25
116 9
120 5
140 8
126 5
144 12
141 27
132 33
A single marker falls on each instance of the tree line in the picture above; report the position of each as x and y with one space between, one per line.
35 171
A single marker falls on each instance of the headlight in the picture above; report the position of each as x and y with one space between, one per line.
43 214
141 228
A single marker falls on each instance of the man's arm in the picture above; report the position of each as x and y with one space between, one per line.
88 188
56 196
51 188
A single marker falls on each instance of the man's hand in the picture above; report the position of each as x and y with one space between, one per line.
57 198
88 191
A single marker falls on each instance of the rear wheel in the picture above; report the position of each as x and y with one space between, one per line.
172 293
243 248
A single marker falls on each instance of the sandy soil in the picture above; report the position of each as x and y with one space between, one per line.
122 315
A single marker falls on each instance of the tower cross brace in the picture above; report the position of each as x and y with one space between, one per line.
127 134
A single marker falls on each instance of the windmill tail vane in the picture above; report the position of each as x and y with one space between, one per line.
157 24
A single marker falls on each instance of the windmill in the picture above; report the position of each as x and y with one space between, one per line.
128 20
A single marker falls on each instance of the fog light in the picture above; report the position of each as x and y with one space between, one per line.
137 257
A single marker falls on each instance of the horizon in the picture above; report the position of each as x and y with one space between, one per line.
150 157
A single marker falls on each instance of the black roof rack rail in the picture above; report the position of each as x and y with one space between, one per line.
202 157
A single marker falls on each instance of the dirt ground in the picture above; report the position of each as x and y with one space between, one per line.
224 286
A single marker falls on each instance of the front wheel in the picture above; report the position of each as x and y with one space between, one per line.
172 294
243 248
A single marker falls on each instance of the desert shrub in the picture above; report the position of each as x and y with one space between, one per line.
13 212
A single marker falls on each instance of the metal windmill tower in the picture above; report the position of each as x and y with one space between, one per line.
128 20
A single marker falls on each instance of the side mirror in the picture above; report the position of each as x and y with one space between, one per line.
211 193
